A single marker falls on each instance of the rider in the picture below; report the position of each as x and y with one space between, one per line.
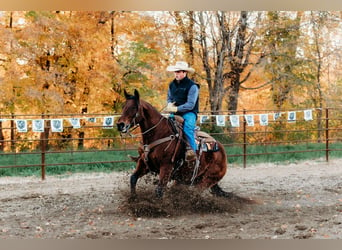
182 99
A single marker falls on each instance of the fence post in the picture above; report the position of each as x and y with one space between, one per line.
43 150
244 140
327 134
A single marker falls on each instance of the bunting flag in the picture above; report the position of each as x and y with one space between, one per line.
21 125
108 122
91 119
276 116
249 120
75 122
234 120
263 119
291 116
221 120
204 118
57 125
308 115
38 125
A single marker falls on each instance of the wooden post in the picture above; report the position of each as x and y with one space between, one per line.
327 134
244 140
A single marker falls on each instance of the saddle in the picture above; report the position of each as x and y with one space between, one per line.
204 141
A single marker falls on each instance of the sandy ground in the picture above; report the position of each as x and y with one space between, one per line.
292 201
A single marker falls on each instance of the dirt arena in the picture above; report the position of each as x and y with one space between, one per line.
293 201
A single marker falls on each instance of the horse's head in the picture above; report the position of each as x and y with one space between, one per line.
130 112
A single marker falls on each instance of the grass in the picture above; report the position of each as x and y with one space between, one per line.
122 162
283 153
61 163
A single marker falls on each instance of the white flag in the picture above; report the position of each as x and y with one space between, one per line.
91 119
291 116
234 120
249 120
263 119
108 122
276 116
57 125
75 122
220 120
308 115
38 125
204 118
21 125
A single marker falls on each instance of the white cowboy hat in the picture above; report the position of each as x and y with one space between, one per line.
180 65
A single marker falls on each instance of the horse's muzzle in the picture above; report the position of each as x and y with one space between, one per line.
122 127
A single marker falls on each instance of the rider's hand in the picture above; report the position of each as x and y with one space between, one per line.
171 107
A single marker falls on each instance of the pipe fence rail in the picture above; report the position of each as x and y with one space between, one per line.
92 139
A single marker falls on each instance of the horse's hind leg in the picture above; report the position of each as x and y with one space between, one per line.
217 191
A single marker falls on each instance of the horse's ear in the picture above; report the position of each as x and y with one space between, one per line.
136 94
126 94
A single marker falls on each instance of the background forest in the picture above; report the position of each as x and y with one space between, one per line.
78 62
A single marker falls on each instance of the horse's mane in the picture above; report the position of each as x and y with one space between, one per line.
150 108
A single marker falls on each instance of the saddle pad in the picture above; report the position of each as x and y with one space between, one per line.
208 143
207 137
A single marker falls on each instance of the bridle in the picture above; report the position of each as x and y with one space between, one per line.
147 147
134 125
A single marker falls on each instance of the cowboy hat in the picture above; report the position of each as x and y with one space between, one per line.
180 66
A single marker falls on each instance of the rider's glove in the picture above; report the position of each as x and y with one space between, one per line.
171 107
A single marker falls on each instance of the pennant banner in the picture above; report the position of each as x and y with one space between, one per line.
221 120
21 126
308 115
57 125
234 120
75 122
249 120
291 117
263 118
108 122
38 125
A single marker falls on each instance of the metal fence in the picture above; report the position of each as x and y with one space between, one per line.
24 144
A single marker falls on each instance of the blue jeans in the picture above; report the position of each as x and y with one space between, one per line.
189 128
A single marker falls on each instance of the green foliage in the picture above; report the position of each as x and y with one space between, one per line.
134 62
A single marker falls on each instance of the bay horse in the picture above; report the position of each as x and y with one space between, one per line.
164 148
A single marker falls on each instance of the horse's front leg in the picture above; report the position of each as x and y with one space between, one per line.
140 171
164 176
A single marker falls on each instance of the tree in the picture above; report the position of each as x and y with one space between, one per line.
281 40
319 46
226 43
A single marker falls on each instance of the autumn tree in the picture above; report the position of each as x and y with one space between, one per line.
318 50
225 43
282 35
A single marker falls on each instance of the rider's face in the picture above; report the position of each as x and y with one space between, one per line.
180 74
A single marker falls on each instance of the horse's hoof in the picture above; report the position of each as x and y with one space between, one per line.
132 198
159 193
